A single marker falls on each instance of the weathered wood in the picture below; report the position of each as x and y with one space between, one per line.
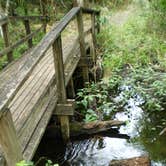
7 41
93 127
94 36
135 161
59 69
32 18
65 109
28 31
70 89
26 38
40 129
9 141
82 45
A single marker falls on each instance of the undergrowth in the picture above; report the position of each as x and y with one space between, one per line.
131 44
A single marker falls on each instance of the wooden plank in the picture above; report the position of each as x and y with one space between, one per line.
82 45
7 41
31 86
32 81
65 109
39 131
15 45
37 113
22 118
9 141
28 31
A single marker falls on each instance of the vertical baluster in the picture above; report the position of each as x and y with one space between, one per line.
6 40
28 31
94 35
82 46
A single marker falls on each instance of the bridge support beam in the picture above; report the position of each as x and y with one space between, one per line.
9 141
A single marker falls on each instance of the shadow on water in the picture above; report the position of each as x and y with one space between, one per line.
139 137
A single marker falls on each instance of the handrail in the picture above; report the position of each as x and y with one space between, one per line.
13 18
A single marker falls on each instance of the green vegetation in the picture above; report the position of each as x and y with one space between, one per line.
132 44
54 9
134 55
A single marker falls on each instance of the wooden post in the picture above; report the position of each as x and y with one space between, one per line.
43 4
98 22
62 99
70 89
28 31
94 36
9 141
6 40
82 46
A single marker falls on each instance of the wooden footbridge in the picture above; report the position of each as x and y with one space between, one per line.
33 88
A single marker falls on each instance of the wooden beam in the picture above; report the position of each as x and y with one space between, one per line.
62 98
65 109
28 31
82 45
7 41
9 141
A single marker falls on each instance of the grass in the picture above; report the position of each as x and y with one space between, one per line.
132 44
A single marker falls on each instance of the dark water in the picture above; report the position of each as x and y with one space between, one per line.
99 150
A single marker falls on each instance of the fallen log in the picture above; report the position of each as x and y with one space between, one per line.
90 128
136 161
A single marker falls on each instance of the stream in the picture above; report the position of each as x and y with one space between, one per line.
139 137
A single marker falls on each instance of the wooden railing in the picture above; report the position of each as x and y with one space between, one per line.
11 87
9 47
